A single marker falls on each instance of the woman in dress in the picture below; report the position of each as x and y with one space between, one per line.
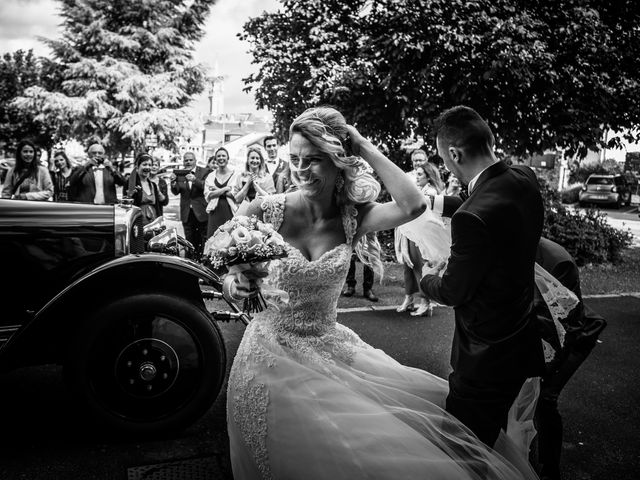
430 184
255 181
27 180
60 176
307 398
428 179
218 192
163 188
144 193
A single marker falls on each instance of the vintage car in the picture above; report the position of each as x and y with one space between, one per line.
140 351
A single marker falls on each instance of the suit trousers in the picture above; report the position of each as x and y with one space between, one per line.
482 406
547 420
195 232
367 275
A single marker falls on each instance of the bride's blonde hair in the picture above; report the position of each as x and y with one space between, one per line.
326 129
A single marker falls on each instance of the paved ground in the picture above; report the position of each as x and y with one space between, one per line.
43 439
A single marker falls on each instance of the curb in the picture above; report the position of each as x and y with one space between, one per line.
393 307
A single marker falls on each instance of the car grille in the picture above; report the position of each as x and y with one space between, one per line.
137 237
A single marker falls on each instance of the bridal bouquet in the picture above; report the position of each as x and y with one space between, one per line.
246 245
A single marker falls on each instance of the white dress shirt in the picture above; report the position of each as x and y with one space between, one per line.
98 175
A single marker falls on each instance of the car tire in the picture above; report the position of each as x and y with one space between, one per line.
147 364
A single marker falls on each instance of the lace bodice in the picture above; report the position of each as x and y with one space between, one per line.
313 285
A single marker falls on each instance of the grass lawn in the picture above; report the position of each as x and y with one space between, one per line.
595 279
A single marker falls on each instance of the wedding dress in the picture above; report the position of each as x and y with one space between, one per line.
308 399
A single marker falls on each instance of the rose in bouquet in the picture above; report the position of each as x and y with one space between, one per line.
244 246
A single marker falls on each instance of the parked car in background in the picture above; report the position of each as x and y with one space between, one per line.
605 190
139 349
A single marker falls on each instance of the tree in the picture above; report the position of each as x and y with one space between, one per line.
544 74
18 71
126 71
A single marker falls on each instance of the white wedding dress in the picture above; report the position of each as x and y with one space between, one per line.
308 399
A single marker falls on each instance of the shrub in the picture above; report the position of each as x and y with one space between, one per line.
586 235
580 174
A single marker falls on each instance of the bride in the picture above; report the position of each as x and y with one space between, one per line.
307 398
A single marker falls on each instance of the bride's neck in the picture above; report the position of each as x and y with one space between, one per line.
318 208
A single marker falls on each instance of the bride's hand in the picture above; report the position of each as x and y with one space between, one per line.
354 141
244 280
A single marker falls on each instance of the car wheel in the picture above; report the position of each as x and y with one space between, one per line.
147 364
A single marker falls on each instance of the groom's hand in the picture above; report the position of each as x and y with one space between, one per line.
437 269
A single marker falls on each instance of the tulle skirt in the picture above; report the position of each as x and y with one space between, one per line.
332 407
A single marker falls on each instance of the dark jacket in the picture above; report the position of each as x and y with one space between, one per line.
489 279
136 193
192 198
82 184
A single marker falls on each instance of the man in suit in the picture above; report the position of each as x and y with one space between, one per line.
582 329
489 278
278 168
192 203
95 182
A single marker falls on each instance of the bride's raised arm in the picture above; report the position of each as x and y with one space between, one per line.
407 201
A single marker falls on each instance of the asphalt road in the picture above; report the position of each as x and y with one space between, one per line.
42 438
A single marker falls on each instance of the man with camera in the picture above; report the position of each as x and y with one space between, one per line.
189 183
95 182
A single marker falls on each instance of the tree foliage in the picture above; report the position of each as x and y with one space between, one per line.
127 71
544 74
18 71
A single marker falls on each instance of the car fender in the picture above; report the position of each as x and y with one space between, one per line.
151 272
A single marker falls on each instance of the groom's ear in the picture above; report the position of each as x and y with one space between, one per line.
455 154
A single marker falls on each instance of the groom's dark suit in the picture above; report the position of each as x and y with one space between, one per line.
489 280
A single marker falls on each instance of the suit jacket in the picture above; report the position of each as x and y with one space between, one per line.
82 184
489 279
192 198
583 325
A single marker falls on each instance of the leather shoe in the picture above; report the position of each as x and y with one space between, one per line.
349 291
369 295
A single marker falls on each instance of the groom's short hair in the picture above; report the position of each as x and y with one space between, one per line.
464 128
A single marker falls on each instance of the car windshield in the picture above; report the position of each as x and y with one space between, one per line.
600 181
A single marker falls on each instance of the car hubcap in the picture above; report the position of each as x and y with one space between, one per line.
147 367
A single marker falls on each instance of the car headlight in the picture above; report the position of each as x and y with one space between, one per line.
154 228
165 242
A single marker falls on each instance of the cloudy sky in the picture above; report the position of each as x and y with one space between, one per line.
22 21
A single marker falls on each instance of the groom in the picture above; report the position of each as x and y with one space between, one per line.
489 279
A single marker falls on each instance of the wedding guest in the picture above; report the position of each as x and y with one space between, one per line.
255 181
143 191
218 192
418 158
277 167
27 179
367 281
581 331
453 186
95 182
211 162
193 206
429 182
163 188
60 176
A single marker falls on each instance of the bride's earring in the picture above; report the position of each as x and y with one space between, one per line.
339 182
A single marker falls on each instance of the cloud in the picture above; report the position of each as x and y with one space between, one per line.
222 46
22 21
